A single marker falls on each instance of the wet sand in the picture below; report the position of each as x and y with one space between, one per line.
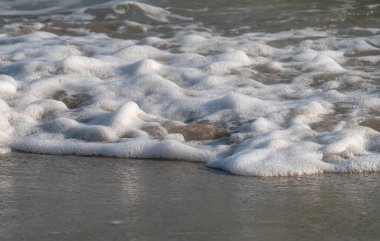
82 198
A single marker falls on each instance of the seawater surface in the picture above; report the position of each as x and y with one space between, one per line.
87 198
263 88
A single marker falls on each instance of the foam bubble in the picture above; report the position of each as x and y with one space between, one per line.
166 149
8 86
266 104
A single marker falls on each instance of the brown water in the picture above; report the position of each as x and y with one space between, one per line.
77 198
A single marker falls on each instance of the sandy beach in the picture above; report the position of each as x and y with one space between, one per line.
86 198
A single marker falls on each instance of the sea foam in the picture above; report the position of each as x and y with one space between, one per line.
237 103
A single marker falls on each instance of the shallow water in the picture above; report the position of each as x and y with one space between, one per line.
76 198
258 88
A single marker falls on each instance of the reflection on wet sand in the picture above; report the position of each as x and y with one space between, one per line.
77 198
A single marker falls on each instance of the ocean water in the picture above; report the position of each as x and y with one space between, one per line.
256 88
46 198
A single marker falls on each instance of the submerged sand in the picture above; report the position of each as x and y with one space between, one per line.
87 198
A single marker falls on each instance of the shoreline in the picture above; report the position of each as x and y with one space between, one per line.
48 197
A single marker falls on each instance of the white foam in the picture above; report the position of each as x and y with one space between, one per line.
154 13
275 158
292 110
8 86
166 149
322 63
